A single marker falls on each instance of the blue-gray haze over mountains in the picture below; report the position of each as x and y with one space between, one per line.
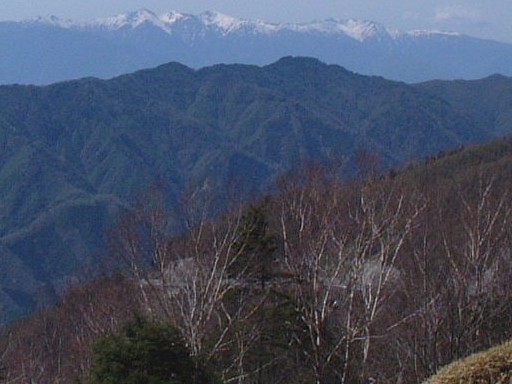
47 50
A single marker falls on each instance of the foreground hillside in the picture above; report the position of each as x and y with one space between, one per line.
386 278
75 153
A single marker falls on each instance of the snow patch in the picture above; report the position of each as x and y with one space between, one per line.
423 32
356 29
133 19
173 17
221 21
362 30
56 22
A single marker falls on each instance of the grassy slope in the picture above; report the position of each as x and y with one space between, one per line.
493 366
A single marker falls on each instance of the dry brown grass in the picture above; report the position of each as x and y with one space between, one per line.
493 366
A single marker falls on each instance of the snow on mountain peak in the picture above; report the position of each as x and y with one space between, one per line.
167 20
423 32
54 21
133 19
142 16
221 21
362 30
355 29
172 17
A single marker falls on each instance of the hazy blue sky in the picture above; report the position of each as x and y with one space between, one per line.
483 18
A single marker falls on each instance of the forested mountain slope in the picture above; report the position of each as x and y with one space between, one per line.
73 153
385 278
486 101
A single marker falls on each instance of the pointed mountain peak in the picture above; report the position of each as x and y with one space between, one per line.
363 29
133 19
142 14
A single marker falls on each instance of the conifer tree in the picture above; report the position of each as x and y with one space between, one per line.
145 352
255 247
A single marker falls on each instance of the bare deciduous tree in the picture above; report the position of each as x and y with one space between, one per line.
341 245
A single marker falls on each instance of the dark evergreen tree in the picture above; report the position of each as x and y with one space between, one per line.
256 247
145 353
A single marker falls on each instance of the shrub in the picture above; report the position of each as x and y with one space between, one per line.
145 352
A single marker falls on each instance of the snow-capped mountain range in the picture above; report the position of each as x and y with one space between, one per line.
48 49
357 29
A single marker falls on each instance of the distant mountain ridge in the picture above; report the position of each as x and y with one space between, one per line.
44 50
173 21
